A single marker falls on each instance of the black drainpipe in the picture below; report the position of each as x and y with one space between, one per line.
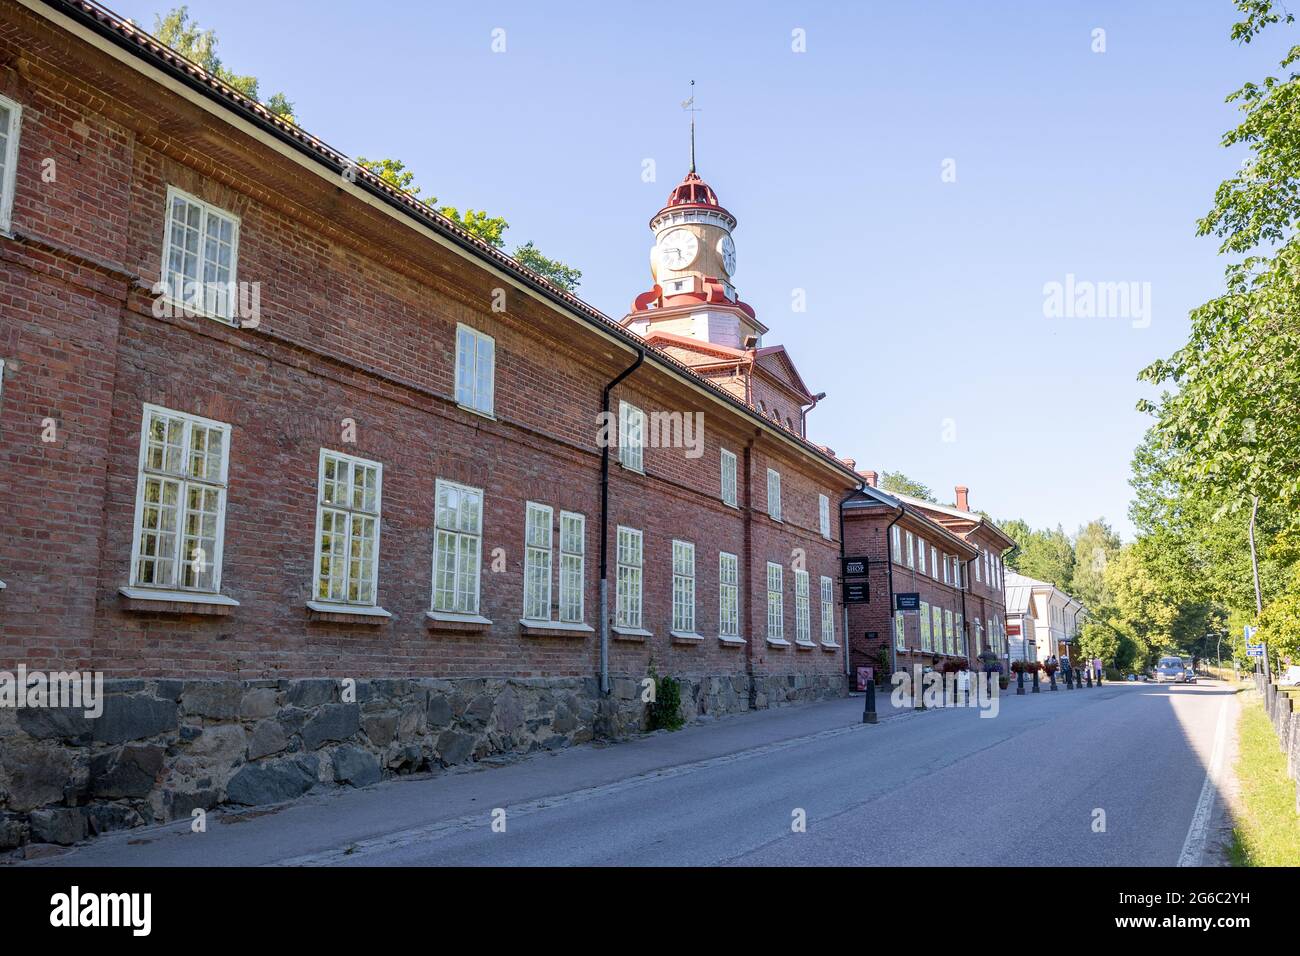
848 669
604 523
965 621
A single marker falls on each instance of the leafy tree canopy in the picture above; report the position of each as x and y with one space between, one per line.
896 481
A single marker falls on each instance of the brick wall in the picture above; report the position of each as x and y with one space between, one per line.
358 322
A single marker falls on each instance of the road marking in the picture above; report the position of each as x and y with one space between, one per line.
1198 832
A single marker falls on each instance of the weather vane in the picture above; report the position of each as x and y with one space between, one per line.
690 107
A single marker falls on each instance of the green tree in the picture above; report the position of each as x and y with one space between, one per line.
180 32
566 277
1094 547
896 481
1046 555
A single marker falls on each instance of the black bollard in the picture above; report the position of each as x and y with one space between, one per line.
1052 680
1036 690
1099 673
1069 680
1020 682
1089 676
869 705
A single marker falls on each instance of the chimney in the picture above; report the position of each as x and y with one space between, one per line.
870 477
963 502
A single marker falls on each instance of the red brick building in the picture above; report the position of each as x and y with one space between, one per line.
949 558
266 420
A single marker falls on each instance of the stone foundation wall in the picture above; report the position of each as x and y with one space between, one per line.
163 748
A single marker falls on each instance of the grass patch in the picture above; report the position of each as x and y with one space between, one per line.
1268 830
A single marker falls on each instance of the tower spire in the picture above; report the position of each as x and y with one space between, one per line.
690 107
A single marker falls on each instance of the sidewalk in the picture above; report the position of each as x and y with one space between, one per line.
329 819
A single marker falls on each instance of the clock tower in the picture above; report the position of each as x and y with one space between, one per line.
693 264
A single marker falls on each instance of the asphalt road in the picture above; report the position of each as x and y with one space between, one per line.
945 787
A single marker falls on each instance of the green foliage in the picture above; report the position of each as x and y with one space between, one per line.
665 711
1045 555
491 229
1095 546
896 481
566 277
177 30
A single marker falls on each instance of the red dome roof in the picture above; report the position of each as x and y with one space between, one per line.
693 191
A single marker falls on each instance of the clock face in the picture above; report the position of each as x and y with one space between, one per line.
727 249
678 248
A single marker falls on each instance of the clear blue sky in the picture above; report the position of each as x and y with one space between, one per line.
925 298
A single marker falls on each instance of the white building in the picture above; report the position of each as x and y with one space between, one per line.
1042 620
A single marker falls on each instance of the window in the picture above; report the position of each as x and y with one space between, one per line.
728 478
728 595
979 637
180 503
628 583
200 247
960 637
683 587
11 115
947 631
926 644
828 611
920 555
895 545
458 539
802 610
537 562
934 562
911 551
775 604
631 436
947 562
774 494
900 632
475 369
988 567
956 571
824 515
936 627
573 541
977 569
347 528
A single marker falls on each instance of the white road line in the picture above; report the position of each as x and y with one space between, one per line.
1197 833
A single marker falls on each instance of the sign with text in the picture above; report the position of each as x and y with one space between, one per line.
1013 630
854 567
909 601
855 592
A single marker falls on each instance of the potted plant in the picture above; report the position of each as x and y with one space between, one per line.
1018 668
1049 668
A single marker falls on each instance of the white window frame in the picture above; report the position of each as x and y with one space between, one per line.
573 562
206 210
775 603
728 595
629 610
467 392
900 631
827 587
947 630
631 424
934 562
539 542
774 494
896 544
683 558
947 561
926 645
727 477
981 560
824 516
920 554
936 628
979 637
463 538
911 549
9 181
802 608
960 645
351 513
184 481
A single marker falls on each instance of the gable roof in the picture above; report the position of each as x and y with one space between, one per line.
775 360
867 498
115 33
979 521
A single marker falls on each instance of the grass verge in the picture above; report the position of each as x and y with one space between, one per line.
1267 831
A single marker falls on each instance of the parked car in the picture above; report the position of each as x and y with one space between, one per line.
1170 670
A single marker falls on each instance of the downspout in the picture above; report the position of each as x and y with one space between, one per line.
844 608
965 621
889 566
604 523
747 568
